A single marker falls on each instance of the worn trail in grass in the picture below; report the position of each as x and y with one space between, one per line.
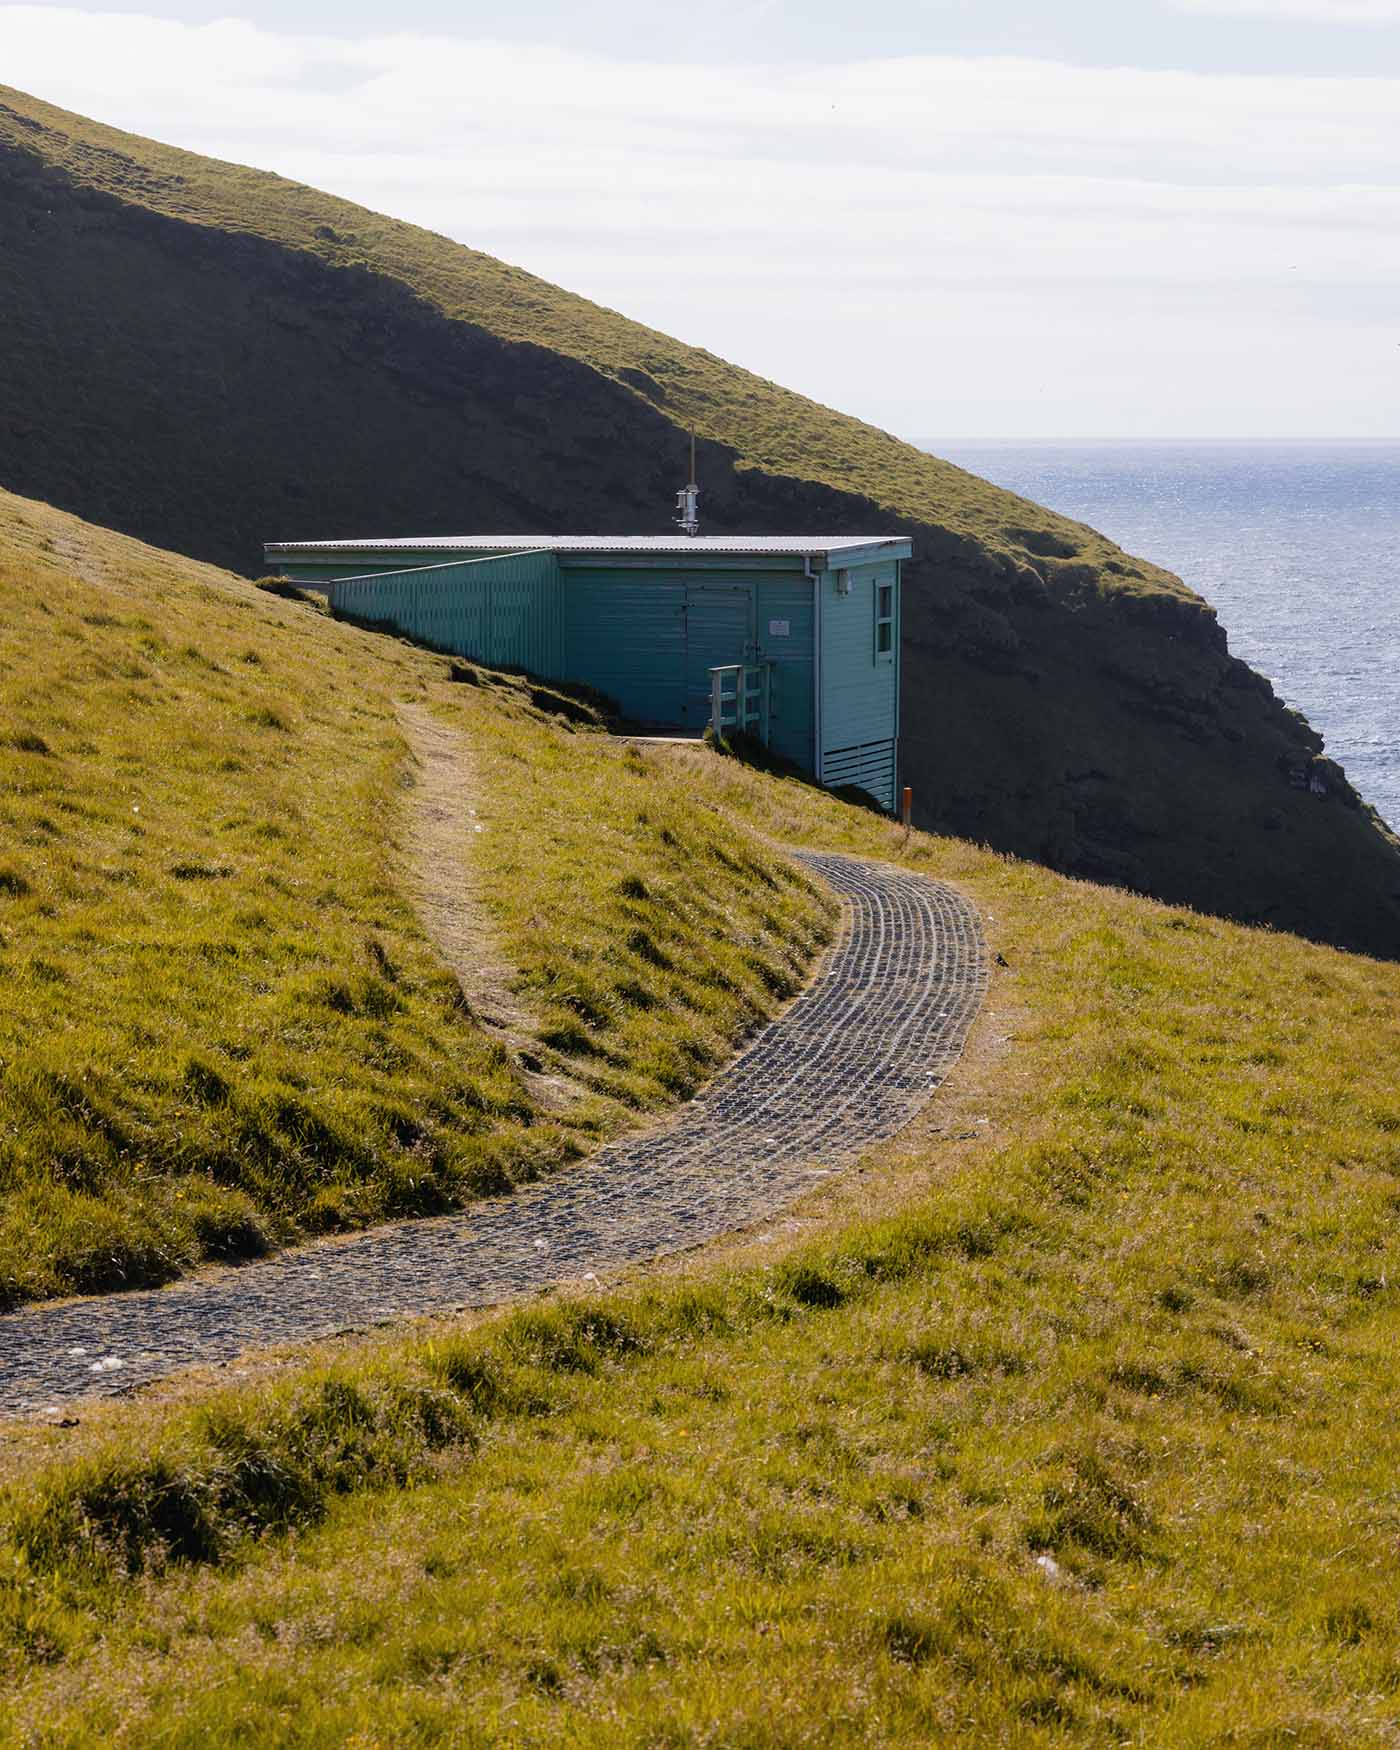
854 1058
225 1027
1067 1418
1067 1421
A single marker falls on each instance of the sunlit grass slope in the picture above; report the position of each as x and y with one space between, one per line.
1068 1420
222 1026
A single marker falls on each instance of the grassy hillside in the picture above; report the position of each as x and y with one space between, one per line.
767 427
209 356
1068 1419
223 1027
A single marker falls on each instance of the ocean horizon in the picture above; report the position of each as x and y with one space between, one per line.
1295 543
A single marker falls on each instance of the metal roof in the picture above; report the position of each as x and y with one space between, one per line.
802 546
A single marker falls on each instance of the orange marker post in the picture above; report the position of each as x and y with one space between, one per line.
906 812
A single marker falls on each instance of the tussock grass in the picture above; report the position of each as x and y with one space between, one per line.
223 1027
643 921
1067 1420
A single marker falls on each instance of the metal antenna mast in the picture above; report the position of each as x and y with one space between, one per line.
688 500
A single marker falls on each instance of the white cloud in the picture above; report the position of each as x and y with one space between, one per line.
937 243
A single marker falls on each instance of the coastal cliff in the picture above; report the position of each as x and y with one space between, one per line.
207 356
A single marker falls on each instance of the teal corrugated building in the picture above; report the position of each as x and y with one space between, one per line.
793 638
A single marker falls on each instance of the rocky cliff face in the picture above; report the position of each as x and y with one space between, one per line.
208 357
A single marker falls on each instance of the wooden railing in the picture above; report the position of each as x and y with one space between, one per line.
741 699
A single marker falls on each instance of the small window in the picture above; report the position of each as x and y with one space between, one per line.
884 622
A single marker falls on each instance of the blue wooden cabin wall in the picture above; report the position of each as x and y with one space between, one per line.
624 633
648 639
646 635
786 599
860 684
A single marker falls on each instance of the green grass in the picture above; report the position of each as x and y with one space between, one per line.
223 1027
645 927
1066 1420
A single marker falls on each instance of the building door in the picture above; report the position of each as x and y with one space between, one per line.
716 631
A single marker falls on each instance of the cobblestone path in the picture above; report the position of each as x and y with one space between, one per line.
851 1061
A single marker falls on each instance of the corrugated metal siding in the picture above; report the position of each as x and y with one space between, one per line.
507 611
323 576
525 607
788 601
860 693
625 634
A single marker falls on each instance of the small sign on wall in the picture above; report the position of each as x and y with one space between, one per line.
779 628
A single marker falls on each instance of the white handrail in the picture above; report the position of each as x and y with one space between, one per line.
741 699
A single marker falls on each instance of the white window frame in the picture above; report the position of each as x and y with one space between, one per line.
885 620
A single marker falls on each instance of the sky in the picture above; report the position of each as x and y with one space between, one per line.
959 219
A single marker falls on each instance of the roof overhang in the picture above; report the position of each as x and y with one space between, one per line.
825 551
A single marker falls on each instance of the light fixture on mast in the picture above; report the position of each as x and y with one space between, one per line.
688 500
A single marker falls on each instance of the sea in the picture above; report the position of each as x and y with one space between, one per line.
1297 545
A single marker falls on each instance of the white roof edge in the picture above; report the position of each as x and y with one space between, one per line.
753 544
